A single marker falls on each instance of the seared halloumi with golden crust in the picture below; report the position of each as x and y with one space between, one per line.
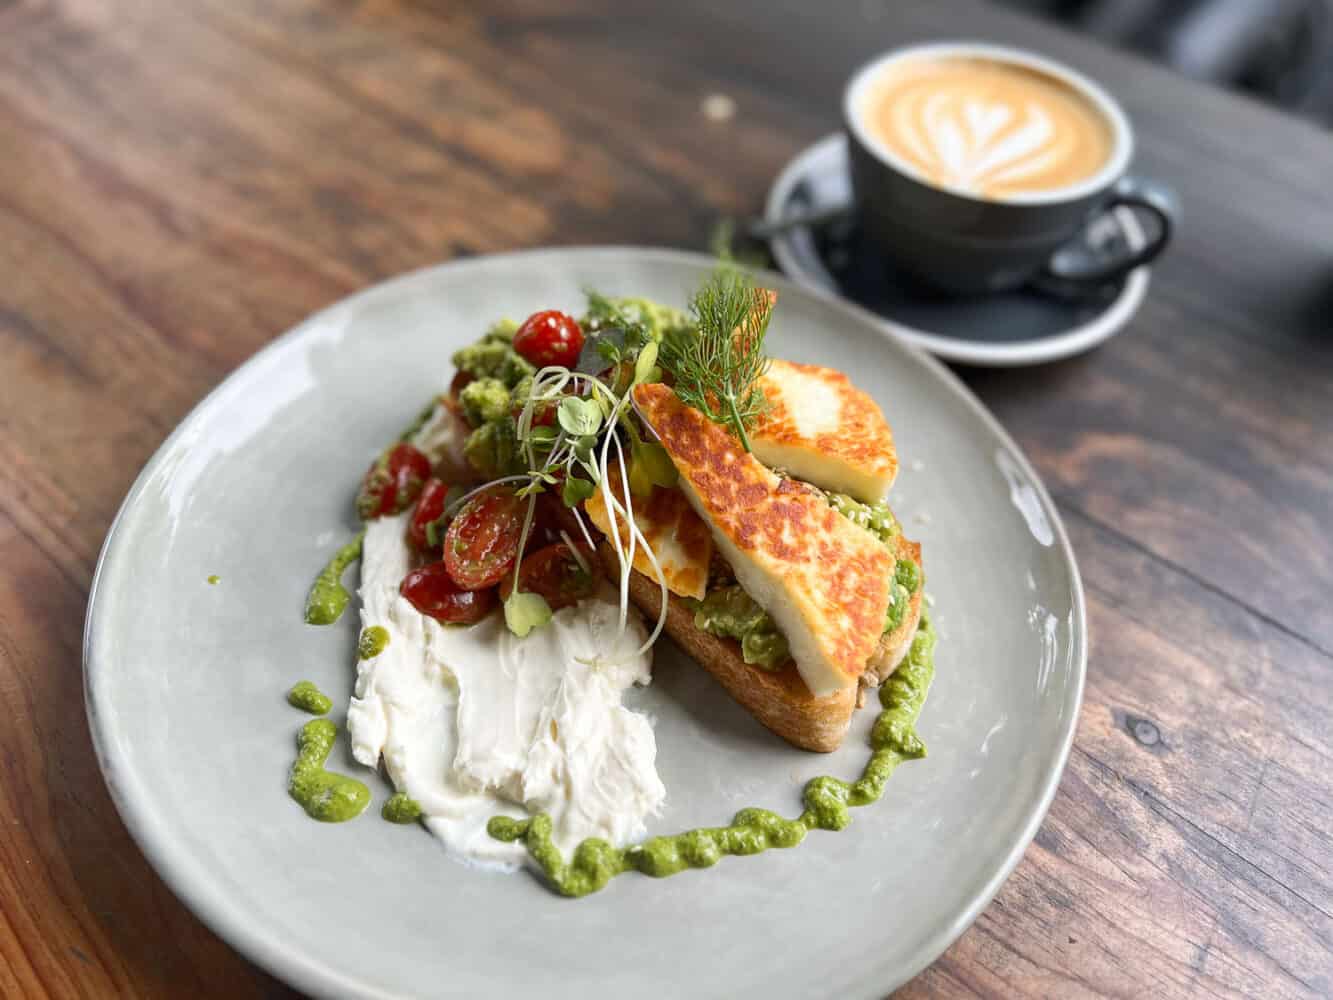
824 580
680 540
821 428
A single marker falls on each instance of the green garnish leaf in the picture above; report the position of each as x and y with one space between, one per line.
718 368
650 466
609 351
542 436
583 448
525 611
646 364
579 416
576 490
605 313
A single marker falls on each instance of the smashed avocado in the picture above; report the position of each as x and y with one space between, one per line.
484 400
875 518
493 357
492 449
659 319
731 613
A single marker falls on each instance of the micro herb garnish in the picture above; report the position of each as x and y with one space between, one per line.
571 458
594 427
717 369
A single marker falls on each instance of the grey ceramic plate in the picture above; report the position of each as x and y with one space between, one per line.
185 685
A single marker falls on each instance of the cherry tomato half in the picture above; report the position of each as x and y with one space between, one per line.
482 541
392 482
432 591
555 574
429 509
550 338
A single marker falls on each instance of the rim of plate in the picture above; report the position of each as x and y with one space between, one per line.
216 907
1039 350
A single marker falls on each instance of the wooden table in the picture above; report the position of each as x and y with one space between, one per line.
180 182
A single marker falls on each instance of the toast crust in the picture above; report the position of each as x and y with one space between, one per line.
777 698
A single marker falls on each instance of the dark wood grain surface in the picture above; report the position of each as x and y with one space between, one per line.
180 182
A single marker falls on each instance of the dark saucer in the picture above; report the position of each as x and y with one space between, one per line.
1026 326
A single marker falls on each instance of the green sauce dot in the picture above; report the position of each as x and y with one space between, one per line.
827 802
325 796
372 642
401 808
308 698
328 597
215 579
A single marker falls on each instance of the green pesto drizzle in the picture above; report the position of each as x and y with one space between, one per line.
372 642
308 698
214 579
401 808
328 597
827 800
325 796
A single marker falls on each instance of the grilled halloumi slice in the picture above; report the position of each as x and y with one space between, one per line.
821 428
680 540
824 580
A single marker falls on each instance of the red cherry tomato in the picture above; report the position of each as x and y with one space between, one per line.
556 575
392 482
549 338
482 541
546 521
432 591
429 508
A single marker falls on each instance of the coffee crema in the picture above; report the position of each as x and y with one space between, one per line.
986 127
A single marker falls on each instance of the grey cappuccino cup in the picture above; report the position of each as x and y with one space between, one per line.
964 243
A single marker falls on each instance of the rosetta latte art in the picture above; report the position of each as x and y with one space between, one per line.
988 128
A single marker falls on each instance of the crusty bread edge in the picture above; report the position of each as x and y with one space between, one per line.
778 699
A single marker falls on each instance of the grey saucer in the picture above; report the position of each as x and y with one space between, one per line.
185 683
1024 327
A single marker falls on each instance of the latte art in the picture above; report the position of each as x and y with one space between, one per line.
988 128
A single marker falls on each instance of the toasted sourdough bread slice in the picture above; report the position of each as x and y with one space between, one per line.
777 698
823 580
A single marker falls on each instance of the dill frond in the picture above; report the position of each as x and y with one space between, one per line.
718 366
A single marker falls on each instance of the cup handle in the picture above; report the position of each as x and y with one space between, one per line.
1086 260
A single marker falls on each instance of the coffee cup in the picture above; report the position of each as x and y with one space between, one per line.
979 168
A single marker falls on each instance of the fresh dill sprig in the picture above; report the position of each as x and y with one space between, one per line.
718 367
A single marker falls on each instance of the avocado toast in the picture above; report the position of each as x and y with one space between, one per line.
806 595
